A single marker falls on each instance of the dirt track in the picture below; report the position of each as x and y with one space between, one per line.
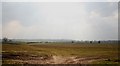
56 60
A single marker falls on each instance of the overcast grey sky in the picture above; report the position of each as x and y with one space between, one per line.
60 20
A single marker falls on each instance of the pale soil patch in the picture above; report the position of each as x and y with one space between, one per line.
74 60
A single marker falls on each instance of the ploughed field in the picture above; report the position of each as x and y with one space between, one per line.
60 53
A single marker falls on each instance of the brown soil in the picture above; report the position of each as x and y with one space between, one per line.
55 60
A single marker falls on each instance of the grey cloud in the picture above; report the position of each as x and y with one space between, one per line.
61 20
104 8
25 12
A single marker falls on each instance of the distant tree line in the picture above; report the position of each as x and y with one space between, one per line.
9 41
86 42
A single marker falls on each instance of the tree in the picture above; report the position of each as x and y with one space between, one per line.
5 40
90 41
99 42
72 41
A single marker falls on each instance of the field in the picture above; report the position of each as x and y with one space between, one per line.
60 53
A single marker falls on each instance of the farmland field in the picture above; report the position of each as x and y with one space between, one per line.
60 53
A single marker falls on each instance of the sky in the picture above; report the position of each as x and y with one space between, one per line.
60 20
60 0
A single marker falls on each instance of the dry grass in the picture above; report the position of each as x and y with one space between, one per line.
26 51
